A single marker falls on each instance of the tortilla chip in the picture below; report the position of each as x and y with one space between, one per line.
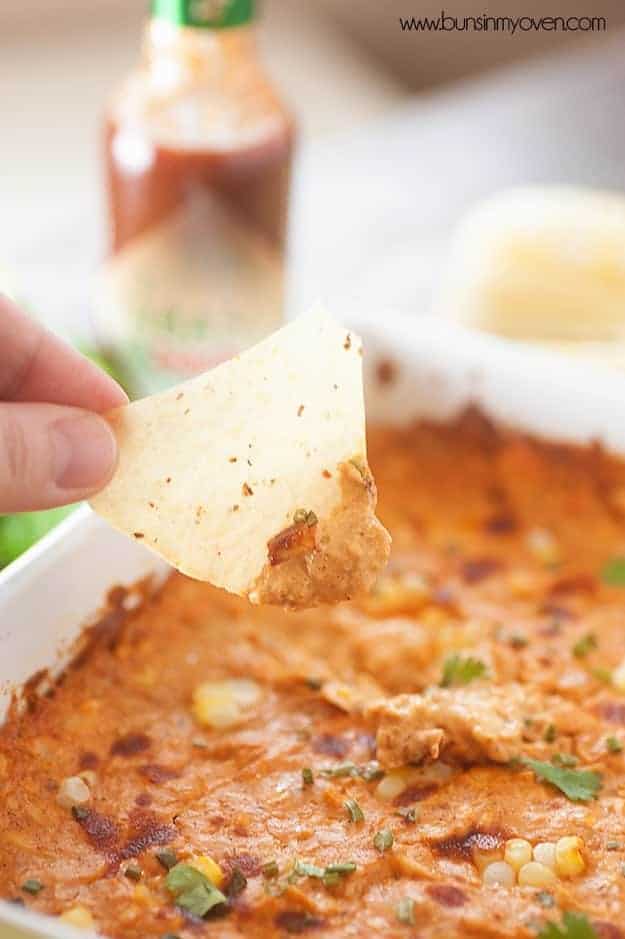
215 473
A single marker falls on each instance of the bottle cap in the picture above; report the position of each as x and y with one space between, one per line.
205 14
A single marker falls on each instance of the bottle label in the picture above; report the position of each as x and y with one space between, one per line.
196 289
204 14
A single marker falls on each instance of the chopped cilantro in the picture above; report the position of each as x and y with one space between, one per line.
408 813
460 671
602 674
32 886
583 646
341 867
307 776
614 745
270 869
166 858
192 891
236 884
370 771
577 785
404 911
303 869
341 769
132 871
574 926
550 733
354 811
383 840
564 759
613 572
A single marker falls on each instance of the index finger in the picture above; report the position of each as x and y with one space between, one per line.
36 365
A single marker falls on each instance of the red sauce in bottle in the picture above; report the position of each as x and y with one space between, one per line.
198 158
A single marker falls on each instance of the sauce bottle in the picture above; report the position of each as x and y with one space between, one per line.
198 157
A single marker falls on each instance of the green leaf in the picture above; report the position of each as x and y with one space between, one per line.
460 671
193 891
19 532
574 926
585 645
383 840
577 785
354 811
613 572
614 745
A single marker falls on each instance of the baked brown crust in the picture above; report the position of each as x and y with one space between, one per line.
498 547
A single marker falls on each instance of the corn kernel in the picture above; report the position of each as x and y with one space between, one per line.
499 873
534 874
210 868
78 916
569 858
221 704
545 853
518 852
544 547
394 783
482 857
618 676
73 791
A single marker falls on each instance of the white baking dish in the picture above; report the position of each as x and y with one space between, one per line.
438 369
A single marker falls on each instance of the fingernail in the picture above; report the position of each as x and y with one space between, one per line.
85 452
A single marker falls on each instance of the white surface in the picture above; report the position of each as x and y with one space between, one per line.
375 208
61 582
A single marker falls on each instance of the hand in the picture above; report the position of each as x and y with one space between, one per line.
54 448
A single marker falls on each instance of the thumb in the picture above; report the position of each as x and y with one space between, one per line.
52 455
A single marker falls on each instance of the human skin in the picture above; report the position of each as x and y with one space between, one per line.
55 448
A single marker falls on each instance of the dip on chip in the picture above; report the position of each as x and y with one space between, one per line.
254 476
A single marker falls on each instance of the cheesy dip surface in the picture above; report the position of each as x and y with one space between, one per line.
441 758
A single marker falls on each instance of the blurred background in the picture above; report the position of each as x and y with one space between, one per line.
399 130
401 133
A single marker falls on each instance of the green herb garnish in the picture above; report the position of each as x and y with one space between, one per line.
383 840
307 776
614 745
613 572
577 785
166 858
341 867
32 886
370 771
354 811
132 871
340 770
404 911
236 884
583 646
602 674
564 759
303 869
461 671
550 733
270 869
408 813
192 891
545 899
304 517
574 926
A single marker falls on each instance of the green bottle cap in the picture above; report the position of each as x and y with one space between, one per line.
206 14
